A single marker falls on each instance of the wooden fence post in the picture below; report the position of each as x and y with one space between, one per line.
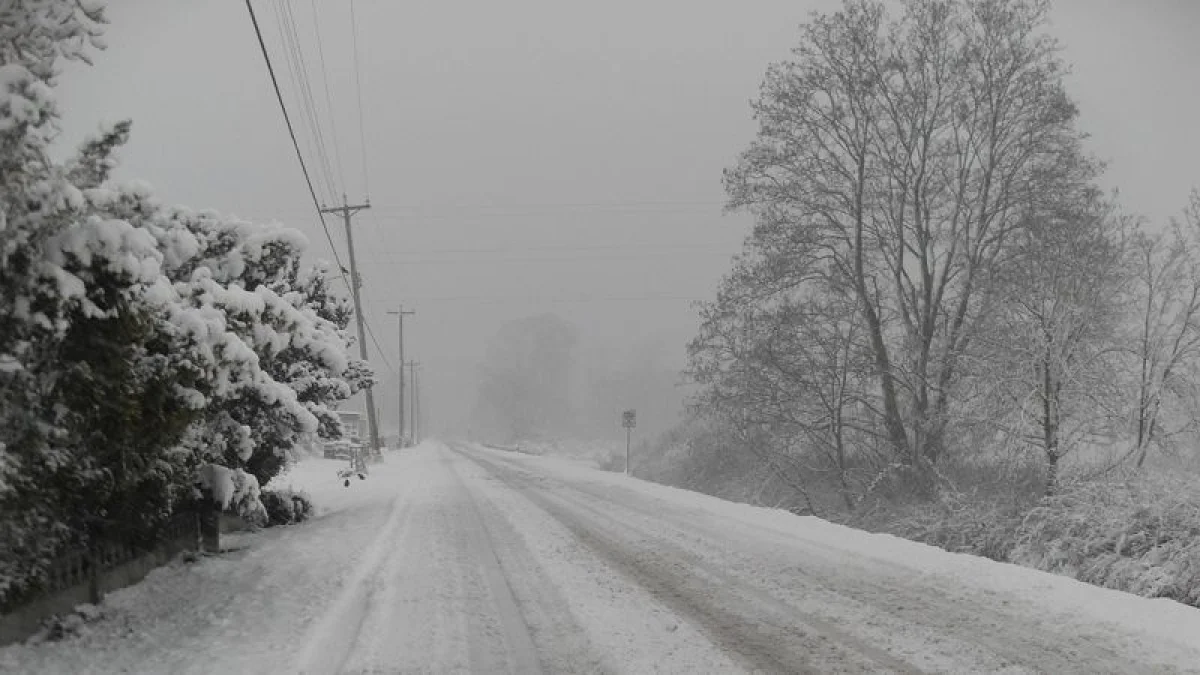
210 523
93 560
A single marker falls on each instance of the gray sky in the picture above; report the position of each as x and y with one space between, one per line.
540 155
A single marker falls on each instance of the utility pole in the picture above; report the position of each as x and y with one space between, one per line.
345 211
412 401
400 314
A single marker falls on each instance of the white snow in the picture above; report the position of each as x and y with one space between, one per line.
21 97
233 487
1152 622
486 561
242 611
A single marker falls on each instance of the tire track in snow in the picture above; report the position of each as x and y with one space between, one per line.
523 655
563 644
990 633
585 616
949 628
758 629
329 643
770 622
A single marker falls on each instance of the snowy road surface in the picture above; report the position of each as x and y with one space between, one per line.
454 558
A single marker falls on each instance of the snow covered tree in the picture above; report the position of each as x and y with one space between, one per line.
780 356
275 356
1165 347
896 152
90 401
138 344
1051 350
294 326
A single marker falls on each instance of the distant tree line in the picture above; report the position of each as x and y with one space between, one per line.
536 383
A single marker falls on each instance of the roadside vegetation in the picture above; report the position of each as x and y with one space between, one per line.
146 350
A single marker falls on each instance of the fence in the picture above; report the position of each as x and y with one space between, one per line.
85 576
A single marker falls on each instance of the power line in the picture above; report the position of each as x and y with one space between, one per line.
578 298
534 209
289 63
305 95
522 205
573 248
304 169
328 98
562 214
681 221
375 341
558 259
468 211
372 231
362 137
295 144
307 102
379 349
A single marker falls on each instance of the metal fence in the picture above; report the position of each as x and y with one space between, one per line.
86 575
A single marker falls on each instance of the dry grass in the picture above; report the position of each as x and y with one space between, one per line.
1137 533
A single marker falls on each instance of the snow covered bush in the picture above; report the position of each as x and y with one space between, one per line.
282 350
233 490
1140 535
285 507
71 624
959 522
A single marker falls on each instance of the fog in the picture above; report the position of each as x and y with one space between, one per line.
536 157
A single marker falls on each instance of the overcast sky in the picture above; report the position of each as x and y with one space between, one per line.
539 155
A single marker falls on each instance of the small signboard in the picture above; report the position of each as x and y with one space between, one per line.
629 419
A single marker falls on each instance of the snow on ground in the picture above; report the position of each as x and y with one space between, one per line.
457 558
593 453
241 611
1154 631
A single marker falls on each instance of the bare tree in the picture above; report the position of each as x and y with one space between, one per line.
798 371
1166 345
1053 340
899 154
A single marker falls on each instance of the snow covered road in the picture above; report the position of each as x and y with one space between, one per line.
456 558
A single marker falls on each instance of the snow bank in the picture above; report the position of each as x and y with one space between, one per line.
244 611
1060 596
598 454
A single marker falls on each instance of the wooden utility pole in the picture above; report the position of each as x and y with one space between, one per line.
400 314
345 211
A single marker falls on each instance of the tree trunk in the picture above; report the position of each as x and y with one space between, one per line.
1050 426
1051 474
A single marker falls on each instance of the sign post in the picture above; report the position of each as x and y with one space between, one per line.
629 421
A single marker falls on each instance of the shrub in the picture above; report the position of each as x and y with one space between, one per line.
285 507
69 624
960 522
1140 535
